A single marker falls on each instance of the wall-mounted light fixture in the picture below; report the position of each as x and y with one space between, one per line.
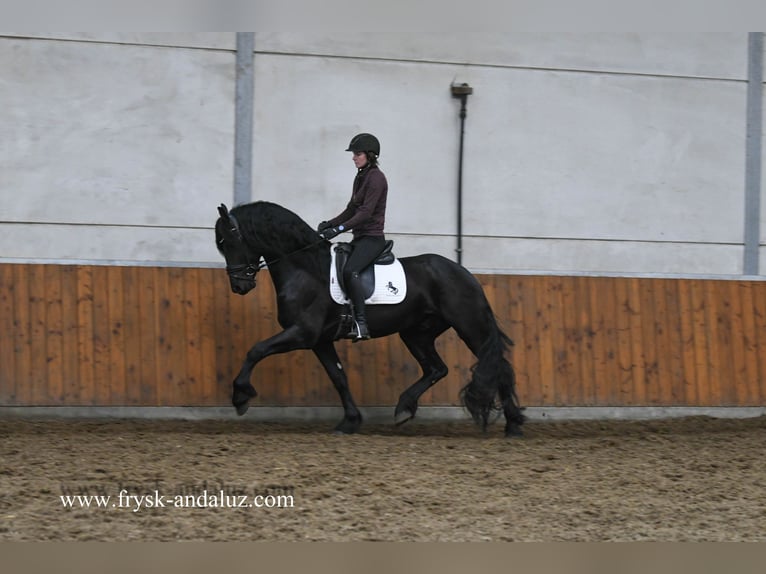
460 91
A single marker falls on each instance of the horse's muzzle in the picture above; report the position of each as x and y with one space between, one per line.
242 278
240 286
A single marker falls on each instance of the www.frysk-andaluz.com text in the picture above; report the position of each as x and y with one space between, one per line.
213 495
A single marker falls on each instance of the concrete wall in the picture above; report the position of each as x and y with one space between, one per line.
610 153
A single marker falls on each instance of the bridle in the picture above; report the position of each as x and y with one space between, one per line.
247 271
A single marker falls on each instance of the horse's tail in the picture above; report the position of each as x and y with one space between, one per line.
492 376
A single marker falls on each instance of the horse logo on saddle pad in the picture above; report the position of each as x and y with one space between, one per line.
384 282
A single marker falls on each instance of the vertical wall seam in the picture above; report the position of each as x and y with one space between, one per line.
243 118
754 133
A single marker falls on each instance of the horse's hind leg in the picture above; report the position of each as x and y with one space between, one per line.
328 356
421 344
512 412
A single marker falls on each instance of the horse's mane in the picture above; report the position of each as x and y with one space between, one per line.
264 223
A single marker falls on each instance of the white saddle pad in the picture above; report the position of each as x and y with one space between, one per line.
390 284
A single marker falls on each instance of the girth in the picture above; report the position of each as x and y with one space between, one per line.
367 276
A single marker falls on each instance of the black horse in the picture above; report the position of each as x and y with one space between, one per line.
440 294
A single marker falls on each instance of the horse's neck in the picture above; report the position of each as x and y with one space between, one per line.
307 267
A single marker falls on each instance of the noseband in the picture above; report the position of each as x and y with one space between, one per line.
244 272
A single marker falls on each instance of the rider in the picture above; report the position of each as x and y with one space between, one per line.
365 214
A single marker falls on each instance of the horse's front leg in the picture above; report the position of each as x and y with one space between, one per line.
328 356
288 340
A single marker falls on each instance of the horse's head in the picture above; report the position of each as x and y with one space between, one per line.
239 264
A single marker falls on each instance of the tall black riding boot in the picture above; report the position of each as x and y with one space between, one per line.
360 331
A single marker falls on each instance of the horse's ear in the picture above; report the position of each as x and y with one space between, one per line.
223 211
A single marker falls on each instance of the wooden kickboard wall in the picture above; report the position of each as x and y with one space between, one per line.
170 336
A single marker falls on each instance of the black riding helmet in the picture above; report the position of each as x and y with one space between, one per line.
366 143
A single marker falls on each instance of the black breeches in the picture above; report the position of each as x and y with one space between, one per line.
366 249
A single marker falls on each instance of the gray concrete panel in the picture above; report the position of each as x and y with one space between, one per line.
616 257
551 154
114 134
210 40
695 54
109 244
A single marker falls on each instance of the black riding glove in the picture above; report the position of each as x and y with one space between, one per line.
322 226
331 232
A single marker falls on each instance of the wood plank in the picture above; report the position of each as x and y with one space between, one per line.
171 357
737 345
148 392
586 337
759 314
35 384
623 389
713 326
505 311
190 309
636 319
386 392
545 348
225 370
102 373
748 392
116 324
566 341
688 344
85 344
70 364
677 388
648 393
211 393
518 334
662 391
130 292
7 336
531 340
726 336
602 325
53 328
38 380
165 376
396 381
23 338
701 342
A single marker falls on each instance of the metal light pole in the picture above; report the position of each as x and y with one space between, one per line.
461 91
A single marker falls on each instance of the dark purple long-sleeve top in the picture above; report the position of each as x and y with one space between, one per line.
366 212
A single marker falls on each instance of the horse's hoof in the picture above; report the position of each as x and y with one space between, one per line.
402 417
346 427
242 408
514 432
241 398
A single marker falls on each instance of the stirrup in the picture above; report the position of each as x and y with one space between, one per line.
358 333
